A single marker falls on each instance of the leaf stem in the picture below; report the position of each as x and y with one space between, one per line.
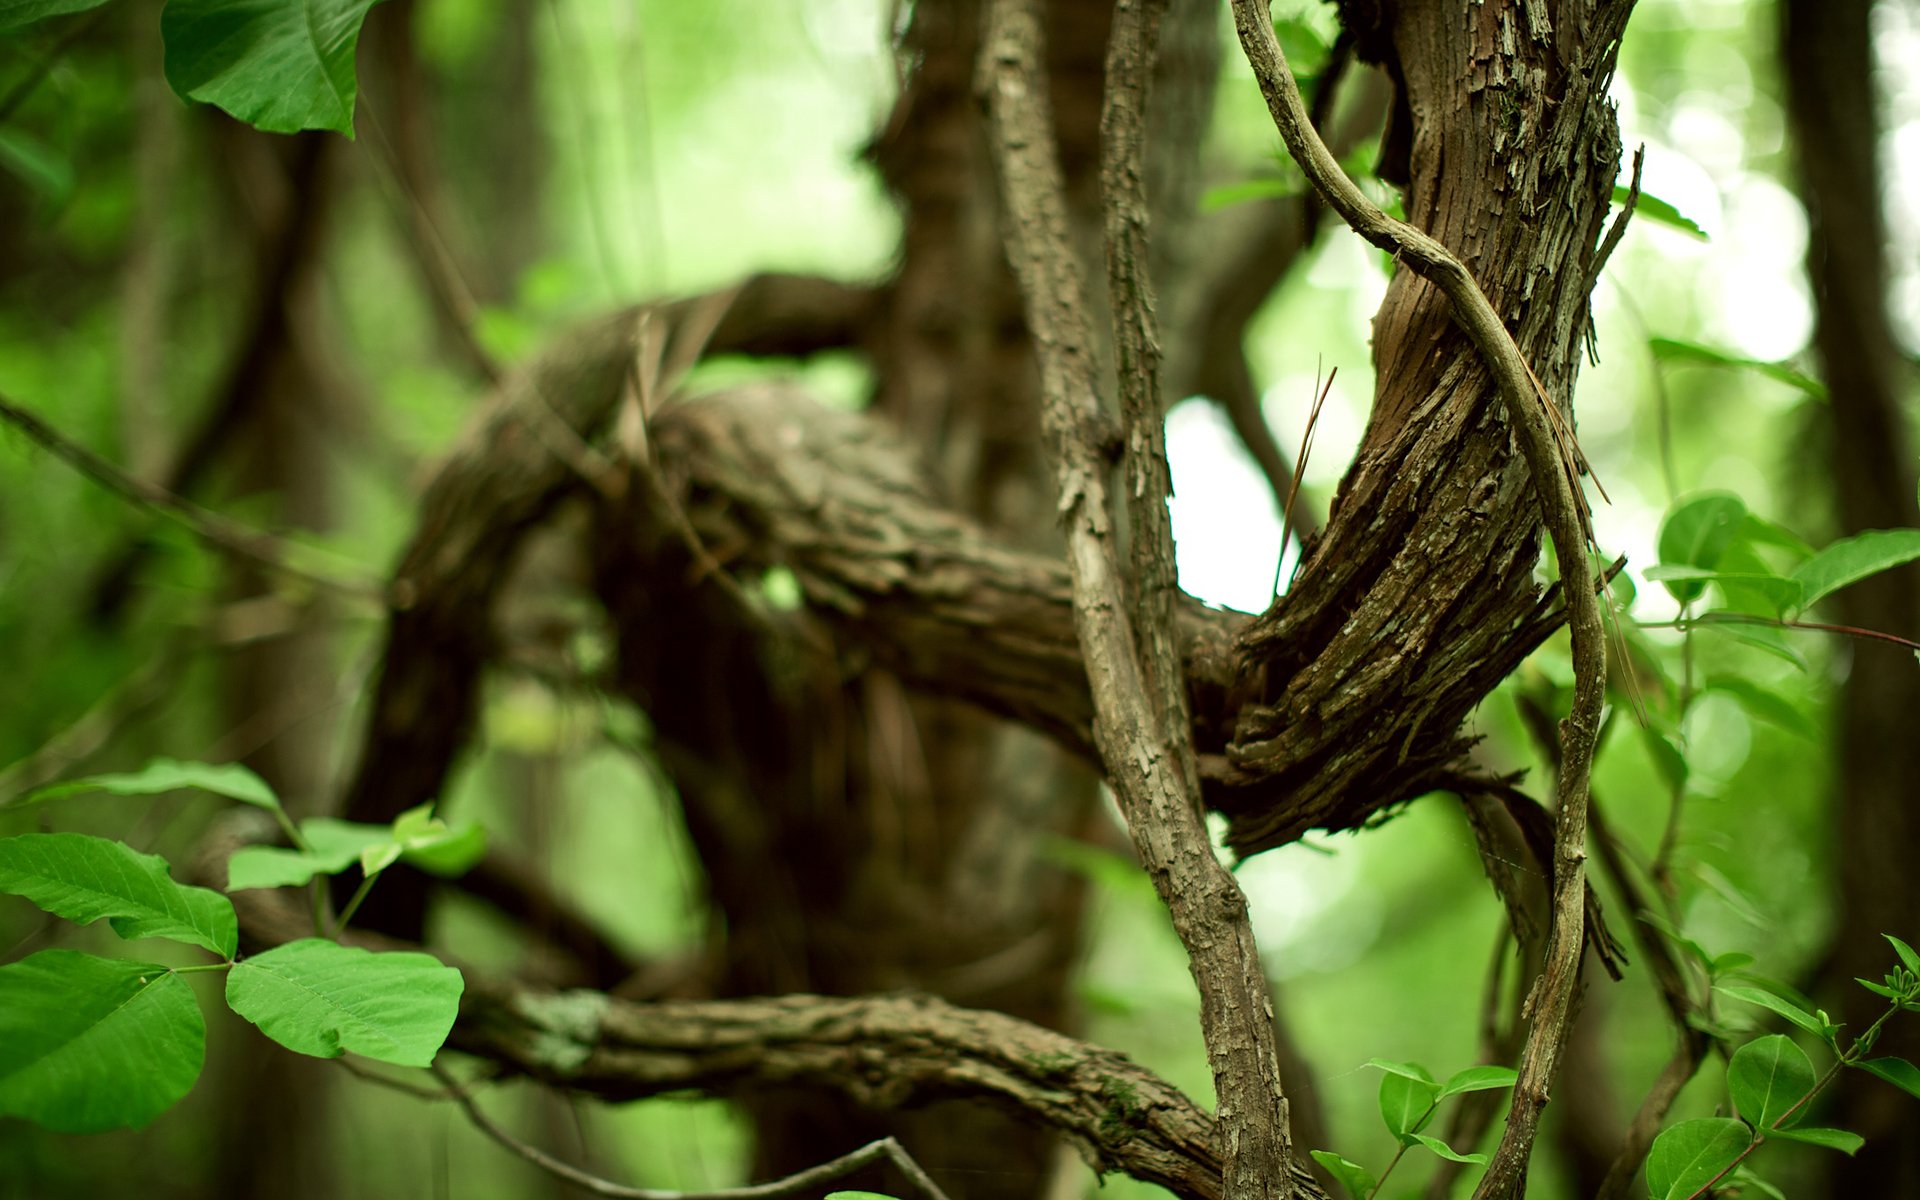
353 903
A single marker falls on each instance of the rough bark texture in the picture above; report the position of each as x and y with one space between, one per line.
1406 606
1828 55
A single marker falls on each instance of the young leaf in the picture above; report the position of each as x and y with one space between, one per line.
84 878
1413 1071
1358 1181
1783 1007
1908 958
1695 534
1479 1079
90 1044
375 859
272 867
1850 560
1669 350
320 998
1747 1179
1406 1103
1661 212
1896 1071
17 13
279 65
1692 1154
231 780
1768 1076
1448 1152
1833 1139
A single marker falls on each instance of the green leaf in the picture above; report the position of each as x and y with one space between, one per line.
1833 1139
1406 1103
167 775
1747 1179
1358 1181
1878 989
84 878
1413 1071
1780 593
375 859
1732 960
1670 350
272 867
1850 560
37 165
1479 1079
1659 211
1695 534
279 65
860 1196
1896 1071
90 1044
1767 1077
1448 1152
1301 42
1777 1004
17 13
1761 532
1761 637
320 998
1907 956
1692 1154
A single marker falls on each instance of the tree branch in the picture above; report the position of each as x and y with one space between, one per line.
1554 464
1140 723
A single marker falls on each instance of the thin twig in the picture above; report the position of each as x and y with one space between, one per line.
884 1150
257 547
1141 724
1293 484
1554 464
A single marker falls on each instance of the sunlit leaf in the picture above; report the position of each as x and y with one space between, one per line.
1693 1154
1661 212
1479 1079
1850 560
279 65
83 879
1358 1181
1777 1004
1696 533
1670 350
1896 1071
1767 1077
167 775
1448 1152
320 998
1406 1102
90 1044
1833 1139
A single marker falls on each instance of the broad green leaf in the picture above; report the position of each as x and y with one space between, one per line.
1759 531
1301 42
1907 956
1779 593
84 878
1767 1077
1669 350
1777 1004
1765 704
320 998
1479 1079
1732 960
167 775
1406 1103
279 65
1833 1139
17 13
90 1044
431 844
1696 533
1358 1181
1850 560
1659 211
1692 1154
1896 1071
272 867
1448 1152
860 1196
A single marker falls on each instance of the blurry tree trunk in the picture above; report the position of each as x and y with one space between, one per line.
1826 46
277 678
